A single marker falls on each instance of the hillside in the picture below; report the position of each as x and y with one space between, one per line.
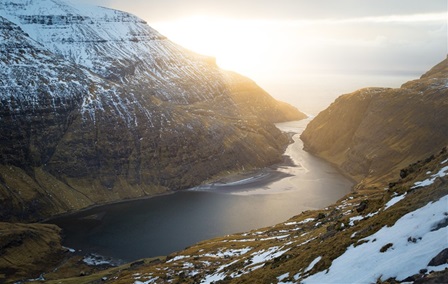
373 133
99 107
26 250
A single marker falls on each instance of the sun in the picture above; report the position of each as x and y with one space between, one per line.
237 45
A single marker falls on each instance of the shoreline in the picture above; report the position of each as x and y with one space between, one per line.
229 179
247 180
221 181
336 167
66 214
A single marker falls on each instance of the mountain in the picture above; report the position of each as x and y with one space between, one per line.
85 119
98 107
373 133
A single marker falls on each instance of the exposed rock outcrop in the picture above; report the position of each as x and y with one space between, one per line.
373 133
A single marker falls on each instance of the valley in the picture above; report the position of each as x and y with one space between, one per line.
162 225
160 167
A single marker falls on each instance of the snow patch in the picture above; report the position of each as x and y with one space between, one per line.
229 253
283 276
300 223
394 200
263 256
179 257
354 219
69 249
96 260
150 281
368 264
218 275
313 263
443 172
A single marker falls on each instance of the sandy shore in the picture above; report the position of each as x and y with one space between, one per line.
247 180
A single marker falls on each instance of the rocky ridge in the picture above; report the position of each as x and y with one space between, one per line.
373 133
99 107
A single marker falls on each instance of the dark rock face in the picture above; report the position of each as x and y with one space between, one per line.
440 259
104 108
31 99
373 133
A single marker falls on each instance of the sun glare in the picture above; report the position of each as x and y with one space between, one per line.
238 45
279 52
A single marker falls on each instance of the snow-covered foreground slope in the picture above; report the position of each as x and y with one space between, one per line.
399 251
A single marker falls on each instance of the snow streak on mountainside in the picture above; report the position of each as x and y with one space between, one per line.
124 49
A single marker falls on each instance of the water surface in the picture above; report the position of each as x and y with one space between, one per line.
164 224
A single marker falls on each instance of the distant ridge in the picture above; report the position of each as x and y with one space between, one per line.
373 133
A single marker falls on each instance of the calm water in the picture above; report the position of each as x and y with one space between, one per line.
162 225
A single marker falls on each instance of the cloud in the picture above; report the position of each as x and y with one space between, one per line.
413 18
280 9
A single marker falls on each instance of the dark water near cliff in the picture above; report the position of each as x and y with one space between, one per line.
164 224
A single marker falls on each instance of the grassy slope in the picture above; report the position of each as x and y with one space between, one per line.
28 249
372 133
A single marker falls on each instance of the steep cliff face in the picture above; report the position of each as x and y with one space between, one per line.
98 107
373 133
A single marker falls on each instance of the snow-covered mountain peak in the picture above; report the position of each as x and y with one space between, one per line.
57 12
60 24
119 47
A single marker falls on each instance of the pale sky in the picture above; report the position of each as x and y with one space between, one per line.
297 49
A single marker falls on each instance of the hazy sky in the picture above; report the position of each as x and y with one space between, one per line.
294 48
161 10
